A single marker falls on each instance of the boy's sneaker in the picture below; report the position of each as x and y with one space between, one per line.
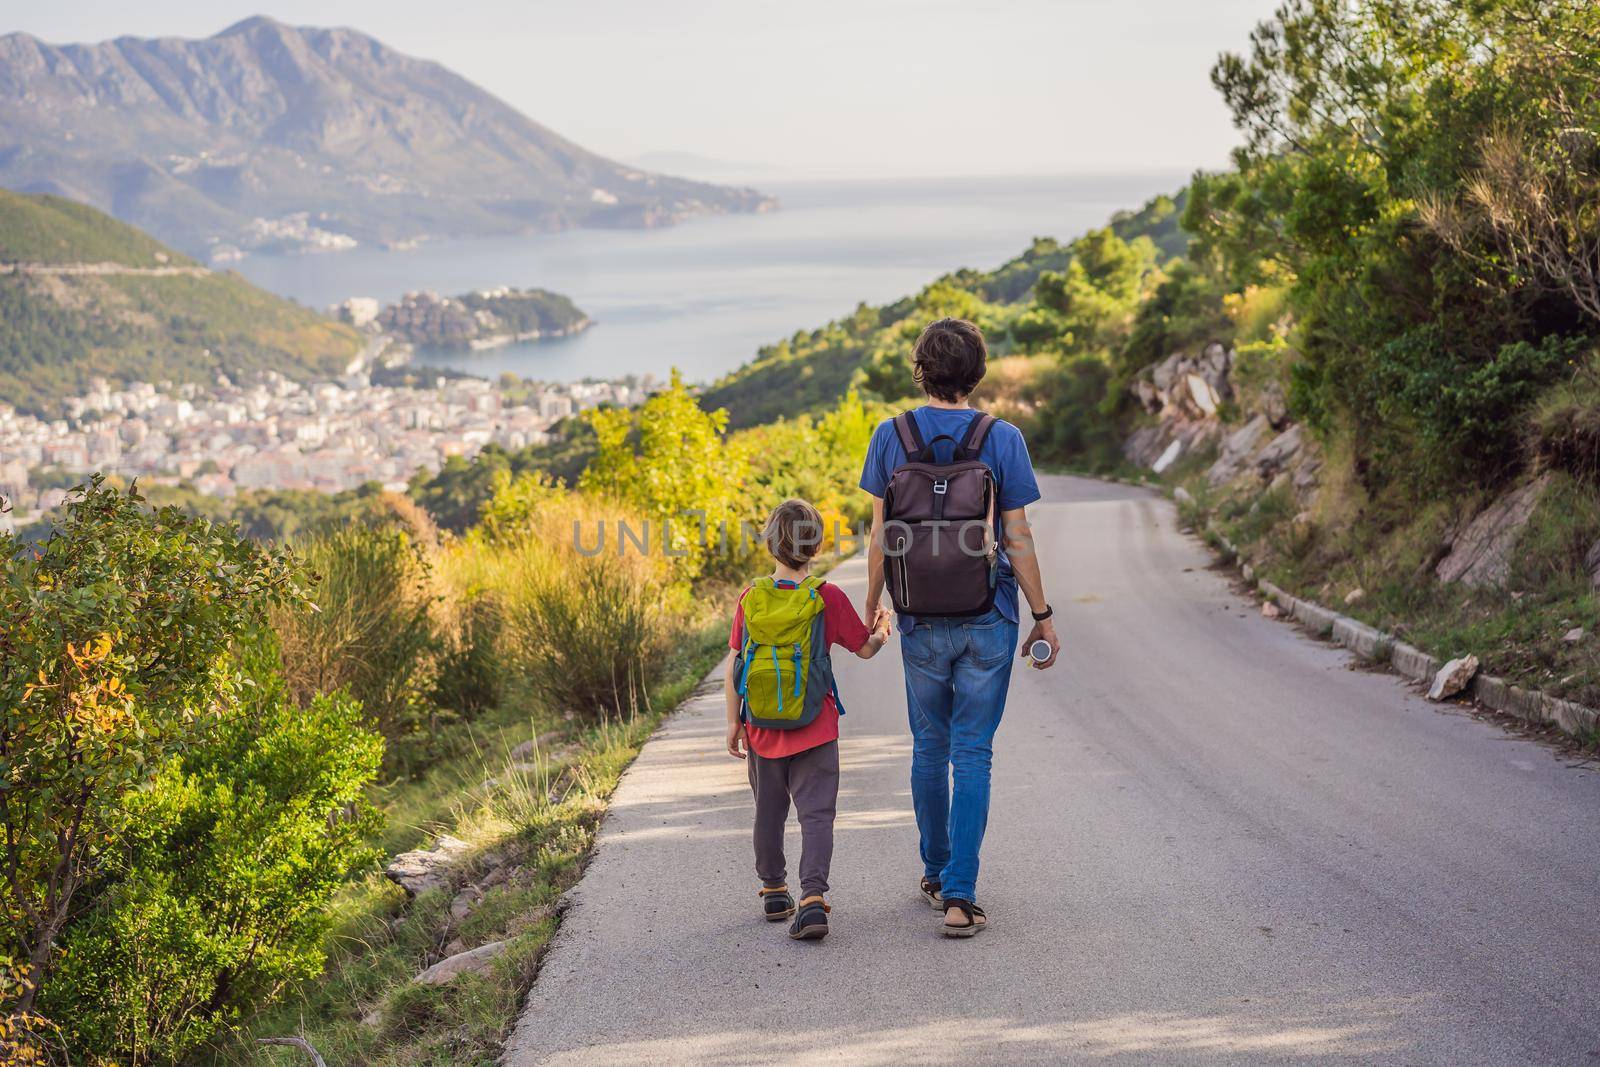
776 903
812 921
932 894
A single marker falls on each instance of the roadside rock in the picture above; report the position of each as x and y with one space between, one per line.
474 960
1274 405
1203 394
1270 610
1481 555
1453 677
1305 476
1236 447
420 870
1144 445
1280 453
1165 373
1574 635
1186 386
1182 495
1354 595
1592 561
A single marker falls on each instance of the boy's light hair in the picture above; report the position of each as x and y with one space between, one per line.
793 533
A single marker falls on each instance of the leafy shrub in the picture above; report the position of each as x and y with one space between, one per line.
1070 425
671 463
813 458
585 641
372 634
221 893
470 677
115 639
1459 410
579 627
1564 426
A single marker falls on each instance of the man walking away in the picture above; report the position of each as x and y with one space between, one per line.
957 661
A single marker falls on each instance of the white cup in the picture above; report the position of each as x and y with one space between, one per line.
1039 651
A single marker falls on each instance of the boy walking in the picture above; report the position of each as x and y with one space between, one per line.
783 708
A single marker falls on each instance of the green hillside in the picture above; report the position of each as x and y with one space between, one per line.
868 349
57 330
53 229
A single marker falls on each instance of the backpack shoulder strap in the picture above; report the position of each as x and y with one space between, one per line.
910 437
977 432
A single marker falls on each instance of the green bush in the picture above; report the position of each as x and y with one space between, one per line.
1070 425
578 622
220 894
470 675
586 641
372 633
1456 410
115 642
1564 425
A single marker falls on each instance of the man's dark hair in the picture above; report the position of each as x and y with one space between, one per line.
949 359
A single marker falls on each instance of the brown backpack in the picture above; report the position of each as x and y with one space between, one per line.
941 556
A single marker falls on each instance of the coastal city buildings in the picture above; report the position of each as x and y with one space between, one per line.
278 434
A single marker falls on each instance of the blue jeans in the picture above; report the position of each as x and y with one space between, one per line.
957 675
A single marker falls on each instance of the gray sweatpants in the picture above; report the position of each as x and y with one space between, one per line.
811 780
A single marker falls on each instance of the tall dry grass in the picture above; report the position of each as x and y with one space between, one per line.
582 633
372 633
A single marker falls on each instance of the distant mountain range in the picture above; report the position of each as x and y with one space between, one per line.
272 137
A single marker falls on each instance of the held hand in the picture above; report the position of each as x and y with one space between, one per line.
883 623
1043 631
736 740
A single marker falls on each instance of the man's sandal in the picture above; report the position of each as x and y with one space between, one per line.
975 919
812 922
930 893
776 903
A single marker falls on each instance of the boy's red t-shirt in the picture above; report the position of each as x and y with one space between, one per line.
841 626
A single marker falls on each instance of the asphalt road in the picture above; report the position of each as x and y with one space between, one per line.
1211 839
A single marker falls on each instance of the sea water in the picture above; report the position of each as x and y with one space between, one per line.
703 296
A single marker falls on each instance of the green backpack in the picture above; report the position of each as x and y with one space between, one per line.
783 667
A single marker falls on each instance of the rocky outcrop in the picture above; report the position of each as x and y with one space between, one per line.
420 870
1236 449
483 319
1281 454
1147 445
1192 387
1185 394
1481 554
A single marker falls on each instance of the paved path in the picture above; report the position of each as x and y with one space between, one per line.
1211 840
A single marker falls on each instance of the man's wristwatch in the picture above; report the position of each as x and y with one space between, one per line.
1040 616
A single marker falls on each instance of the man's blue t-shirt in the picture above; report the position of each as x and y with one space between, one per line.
1005 453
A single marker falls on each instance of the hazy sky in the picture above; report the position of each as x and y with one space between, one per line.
826 87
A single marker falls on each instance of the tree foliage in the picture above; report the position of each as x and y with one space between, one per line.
115 655
672 462
1427 258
